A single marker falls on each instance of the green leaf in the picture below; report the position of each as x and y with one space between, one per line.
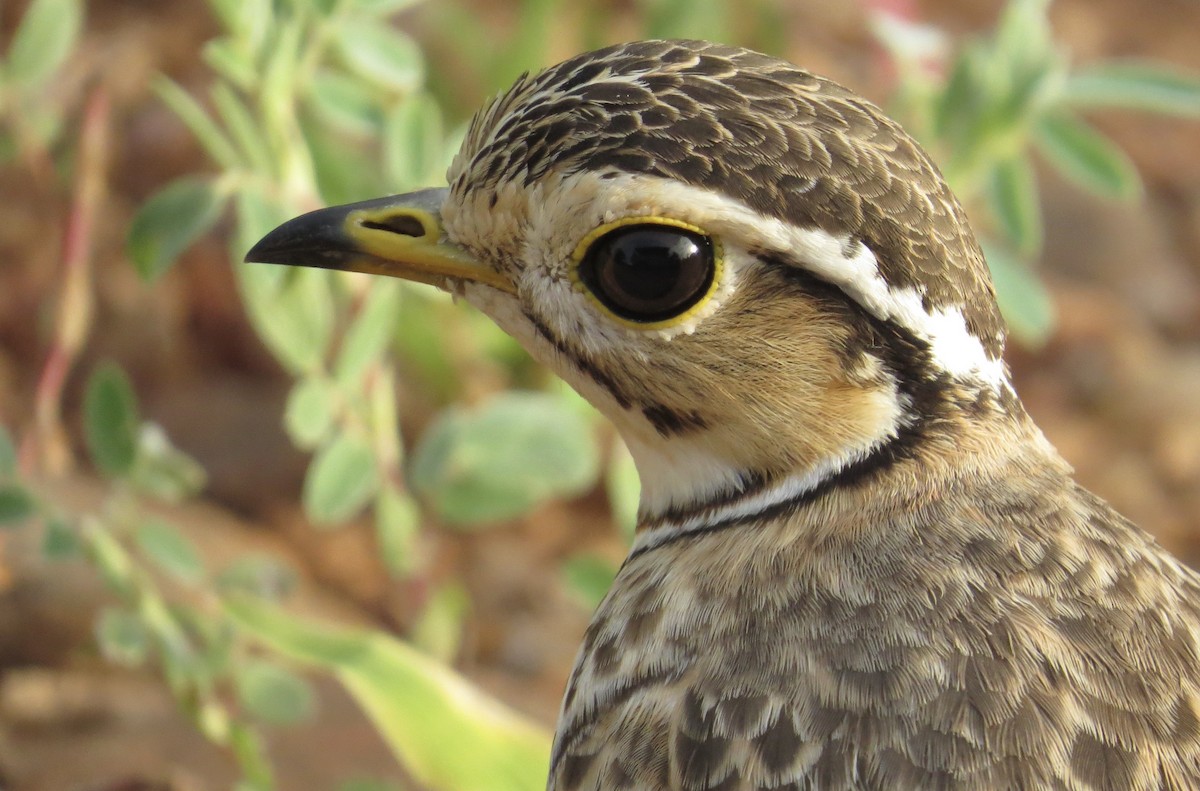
397 523
281 71
250 749
1141 85
163 544
60 542
500 460
213 721
589 576
367 784
325 7
624 490
246 129
369 335
257 574
8 454
292 310
246 20
122 637
430 716
344 102
109 556
198 121
438 632
1014 199
232 61
1023 36
273 693
960 99
110 421
340 481
169 222
162 470
256 215
1087 157
384 7
43 40
16 504
380 53
707 19
183 661
423 347
414 141
1023 298
310 411
344 171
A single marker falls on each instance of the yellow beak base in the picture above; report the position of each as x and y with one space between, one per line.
398 236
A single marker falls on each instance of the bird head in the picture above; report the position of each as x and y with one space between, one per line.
760 279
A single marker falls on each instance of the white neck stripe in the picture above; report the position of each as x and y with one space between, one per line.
750 505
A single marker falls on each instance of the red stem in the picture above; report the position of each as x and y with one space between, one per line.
45 446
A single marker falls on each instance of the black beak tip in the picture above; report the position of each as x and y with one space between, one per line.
258 254
281 244
312 239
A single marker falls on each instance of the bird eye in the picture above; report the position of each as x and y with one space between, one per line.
649 272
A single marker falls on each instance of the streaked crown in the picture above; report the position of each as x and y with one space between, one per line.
780 142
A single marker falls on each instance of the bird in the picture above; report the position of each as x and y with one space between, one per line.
859 565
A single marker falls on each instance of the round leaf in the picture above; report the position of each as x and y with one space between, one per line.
162 470
341 480
273 693
396 526
122 637
60 541
110 420
380 53
167 548
368 336
1023 298
169 222
43 40
500 460
292 310
309 413
344 102
414 141
259 575
345 172
16 505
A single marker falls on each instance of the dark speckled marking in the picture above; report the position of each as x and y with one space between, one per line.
787 143
669 422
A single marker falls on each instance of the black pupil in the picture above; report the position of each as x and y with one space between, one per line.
649 272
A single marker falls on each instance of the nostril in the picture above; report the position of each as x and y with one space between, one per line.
403 224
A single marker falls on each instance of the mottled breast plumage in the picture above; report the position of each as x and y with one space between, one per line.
859 565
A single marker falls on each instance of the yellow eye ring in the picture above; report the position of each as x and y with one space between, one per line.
648 273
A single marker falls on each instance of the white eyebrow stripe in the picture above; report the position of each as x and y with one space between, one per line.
845 262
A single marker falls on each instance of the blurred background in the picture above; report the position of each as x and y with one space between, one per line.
178 430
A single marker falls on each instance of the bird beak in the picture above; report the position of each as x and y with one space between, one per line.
400 236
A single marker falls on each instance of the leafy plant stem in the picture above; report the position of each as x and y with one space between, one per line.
46 444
